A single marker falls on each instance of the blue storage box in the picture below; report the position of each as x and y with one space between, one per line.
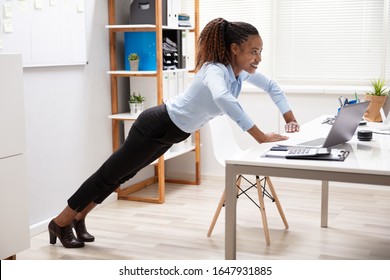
144 44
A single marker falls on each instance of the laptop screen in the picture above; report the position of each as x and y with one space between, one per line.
346 123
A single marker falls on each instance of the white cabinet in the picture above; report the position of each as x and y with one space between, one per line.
14 233
12 140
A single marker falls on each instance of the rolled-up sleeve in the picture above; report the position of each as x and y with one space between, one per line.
272 88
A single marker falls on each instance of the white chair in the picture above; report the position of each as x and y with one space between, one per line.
224 145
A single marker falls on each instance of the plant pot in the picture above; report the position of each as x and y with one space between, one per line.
134 65
373 113
136 108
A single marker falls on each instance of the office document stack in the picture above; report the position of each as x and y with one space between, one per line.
170 55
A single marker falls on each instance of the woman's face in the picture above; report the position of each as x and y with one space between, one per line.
247 55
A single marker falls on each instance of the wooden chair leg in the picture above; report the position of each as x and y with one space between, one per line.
277 201
219 207
262 210
216 214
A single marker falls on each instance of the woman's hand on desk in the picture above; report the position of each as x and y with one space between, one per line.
291 123
274 137
262 137
291 127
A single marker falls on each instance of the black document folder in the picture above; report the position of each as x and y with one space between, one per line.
335 154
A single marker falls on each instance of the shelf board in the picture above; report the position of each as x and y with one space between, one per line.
169 155
143 27
125 73
123 117
177 70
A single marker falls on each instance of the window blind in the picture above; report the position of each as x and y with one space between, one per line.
328 40
258 13
337 42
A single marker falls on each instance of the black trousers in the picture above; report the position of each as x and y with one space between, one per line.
151 135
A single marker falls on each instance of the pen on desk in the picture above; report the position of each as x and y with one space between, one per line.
356 97
341 101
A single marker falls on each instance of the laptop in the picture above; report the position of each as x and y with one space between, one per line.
343 128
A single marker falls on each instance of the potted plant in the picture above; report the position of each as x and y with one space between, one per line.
136 103
133 61
377 97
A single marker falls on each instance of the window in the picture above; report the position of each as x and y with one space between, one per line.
331 42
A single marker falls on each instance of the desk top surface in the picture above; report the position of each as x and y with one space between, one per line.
372 157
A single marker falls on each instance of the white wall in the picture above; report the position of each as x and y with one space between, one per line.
69 134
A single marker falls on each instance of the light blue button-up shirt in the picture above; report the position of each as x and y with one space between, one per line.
213 92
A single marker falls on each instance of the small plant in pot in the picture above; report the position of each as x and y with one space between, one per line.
136 103
377 97
133 61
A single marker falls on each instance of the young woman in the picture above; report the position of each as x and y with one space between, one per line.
229 53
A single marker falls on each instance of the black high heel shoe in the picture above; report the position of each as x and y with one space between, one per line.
81 231
65 235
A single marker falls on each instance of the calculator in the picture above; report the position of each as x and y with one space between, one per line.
306 151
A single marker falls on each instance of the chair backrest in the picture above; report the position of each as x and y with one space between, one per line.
222 138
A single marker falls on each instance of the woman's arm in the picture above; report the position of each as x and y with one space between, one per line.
291 123
262 137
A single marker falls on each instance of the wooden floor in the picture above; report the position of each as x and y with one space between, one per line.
359 226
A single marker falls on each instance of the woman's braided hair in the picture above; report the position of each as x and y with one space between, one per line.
216 38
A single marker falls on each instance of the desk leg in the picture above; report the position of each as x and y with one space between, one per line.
324 203
230 213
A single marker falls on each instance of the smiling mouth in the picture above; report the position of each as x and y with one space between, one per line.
254 65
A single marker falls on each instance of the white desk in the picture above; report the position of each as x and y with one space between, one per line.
368 163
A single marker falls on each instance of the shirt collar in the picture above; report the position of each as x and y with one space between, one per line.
232 77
